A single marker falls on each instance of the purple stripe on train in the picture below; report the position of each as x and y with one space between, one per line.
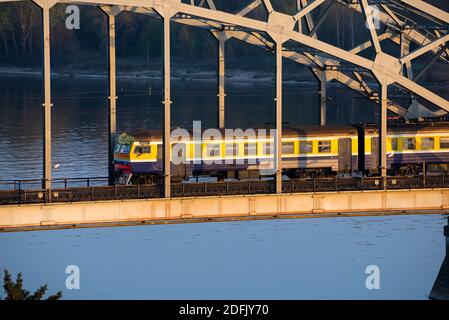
410 158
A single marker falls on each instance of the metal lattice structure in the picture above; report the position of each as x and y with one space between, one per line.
404 23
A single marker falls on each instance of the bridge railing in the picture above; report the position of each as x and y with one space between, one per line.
91 192
57 183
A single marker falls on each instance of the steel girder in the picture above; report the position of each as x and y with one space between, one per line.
204 14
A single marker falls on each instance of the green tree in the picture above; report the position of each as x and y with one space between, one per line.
15 290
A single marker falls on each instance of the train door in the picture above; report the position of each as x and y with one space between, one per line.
373 165
344 155
179 160
160 154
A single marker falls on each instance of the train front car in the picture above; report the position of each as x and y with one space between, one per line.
411 148
123 144
135 158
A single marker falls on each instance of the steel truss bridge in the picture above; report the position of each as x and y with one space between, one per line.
404 23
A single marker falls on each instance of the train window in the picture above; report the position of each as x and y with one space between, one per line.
125 148
288 147
117 148
444 143
138 150
213 150
232 149
394 144
324 146
305 147
437 167
427 143
409 144
268 148
250 149
146 149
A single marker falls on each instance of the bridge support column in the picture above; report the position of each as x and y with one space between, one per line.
47 162
440 290
221 36
323 97
112 98
278 137
111 13
166 13
383 101
167 108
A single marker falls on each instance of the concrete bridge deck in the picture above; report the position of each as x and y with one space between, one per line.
218 208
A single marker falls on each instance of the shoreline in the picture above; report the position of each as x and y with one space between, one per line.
183 74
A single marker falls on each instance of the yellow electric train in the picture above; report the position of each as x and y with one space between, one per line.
311 151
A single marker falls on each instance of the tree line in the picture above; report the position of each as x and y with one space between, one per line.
139 36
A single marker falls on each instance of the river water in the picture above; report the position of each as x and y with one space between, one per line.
276 259
303 258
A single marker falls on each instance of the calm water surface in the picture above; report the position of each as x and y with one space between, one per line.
290 259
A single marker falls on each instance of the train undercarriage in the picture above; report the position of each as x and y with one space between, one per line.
414 169
230 175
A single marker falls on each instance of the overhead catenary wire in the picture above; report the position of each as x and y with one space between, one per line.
142 93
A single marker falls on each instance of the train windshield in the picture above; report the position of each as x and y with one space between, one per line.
122 148
125 148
